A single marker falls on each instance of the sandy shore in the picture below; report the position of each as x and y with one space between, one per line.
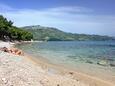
26 71
88 80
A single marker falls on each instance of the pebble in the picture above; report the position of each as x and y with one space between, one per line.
58 85
4 80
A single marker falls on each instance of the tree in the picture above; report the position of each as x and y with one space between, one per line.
7 30
4 26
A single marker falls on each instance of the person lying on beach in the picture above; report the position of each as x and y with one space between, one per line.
12 50
16 51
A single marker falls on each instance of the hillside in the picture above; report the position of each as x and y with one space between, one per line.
54 34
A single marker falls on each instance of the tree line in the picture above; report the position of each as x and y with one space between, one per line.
8 32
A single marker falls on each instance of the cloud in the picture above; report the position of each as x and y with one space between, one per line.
67 18
70 9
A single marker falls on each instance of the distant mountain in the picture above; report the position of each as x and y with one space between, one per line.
54 34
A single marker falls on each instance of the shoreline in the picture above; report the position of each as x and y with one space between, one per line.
85 78
60 71
18 70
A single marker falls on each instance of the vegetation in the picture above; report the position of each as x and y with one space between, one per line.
52 34
11 33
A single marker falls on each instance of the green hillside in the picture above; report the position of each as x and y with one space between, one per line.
53 34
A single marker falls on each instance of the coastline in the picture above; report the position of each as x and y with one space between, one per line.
50 74
77 75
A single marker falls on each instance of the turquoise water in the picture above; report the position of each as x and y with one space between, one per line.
95 56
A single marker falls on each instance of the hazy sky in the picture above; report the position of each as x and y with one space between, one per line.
77 16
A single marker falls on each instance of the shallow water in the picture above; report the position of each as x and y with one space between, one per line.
88 56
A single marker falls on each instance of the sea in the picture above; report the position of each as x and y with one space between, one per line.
96 58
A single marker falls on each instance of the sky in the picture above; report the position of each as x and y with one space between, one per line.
76 16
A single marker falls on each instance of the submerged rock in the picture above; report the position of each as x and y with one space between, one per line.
112 64
103 63
90 62
73 57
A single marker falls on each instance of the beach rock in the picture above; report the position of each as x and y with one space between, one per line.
58 85
71 73
4 80
102 62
